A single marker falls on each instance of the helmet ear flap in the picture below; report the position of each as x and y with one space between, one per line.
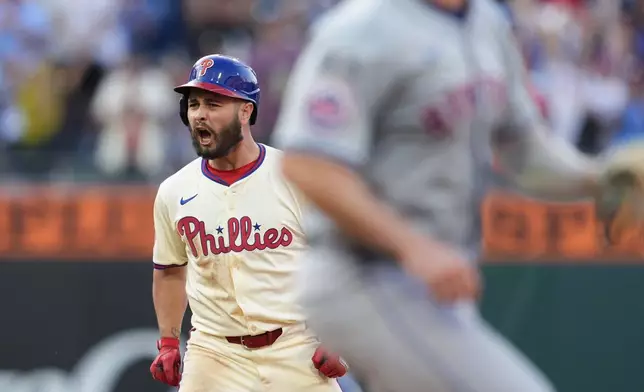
183 110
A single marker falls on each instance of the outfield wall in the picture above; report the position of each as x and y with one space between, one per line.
90 326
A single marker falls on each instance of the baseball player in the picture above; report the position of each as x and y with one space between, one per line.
389 123
227 233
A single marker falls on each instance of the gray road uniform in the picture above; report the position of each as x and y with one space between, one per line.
411 97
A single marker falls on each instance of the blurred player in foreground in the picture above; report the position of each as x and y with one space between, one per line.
228 232
389 123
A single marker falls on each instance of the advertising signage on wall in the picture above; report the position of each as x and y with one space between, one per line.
518 228
78 222
103 222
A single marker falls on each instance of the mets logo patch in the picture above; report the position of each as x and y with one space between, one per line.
330 105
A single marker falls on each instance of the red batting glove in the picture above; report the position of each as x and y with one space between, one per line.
167 365
331 365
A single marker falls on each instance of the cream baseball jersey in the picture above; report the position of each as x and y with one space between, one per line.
240 244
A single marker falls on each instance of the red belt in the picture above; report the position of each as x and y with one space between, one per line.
256 341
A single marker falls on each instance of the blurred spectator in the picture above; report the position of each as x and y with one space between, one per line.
577 54
555 67
153 26
131 106
179 149
632 124
69 148
29 106
88 31
40 104
219 27
279 37
603 91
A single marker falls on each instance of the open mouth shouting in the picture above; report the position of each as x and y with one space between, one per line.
204 135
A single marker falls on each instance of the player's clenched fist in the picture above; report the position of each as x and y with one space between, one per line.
167 365
331 365
450 276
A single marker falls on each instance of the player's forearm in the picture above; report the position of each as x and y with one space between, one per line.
548 166
170 300
345 198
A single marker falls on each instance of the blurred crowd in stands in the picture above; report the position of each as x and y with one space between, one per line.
585 60
86 86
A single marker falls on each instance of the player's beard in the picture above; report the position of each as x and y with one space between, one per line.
223 141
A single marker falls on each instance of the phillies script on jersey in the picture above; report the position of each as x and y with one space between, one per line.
235 239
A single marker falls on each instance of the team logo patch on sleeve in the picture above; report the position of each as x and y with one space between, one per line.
330 106
325 110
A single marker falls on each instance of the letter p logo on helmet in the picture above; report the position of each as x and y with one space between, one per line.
203 67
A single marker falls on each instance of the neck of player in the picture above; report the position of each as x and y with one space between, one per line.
242 154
